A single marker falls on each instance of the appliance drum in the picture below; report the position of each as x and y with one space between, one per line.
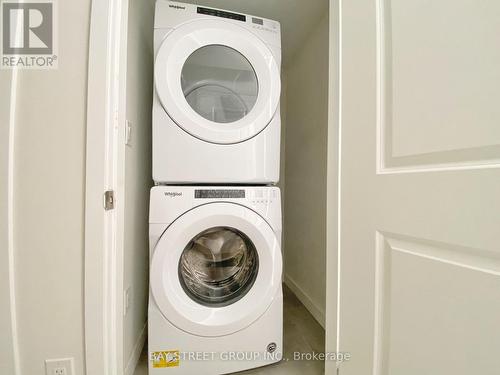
218 266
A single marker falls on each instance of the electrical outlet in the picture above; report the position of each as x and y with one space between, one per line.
61 366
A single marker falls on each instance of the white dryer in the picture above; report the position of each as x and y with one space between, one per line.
216 116
215 304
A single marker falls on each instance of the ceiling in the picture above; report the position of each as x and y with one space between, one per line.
297 17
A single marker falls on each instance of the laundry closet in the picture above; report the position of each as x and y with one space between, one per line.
299 130
373 232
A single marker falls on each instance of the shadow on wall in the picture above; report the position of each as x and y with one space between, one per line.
306 170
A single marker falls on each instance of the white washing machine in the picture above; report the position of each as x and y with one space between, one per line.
215 304
216 116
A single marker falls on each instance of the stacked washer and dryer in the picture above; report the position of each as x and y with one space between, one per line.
216 302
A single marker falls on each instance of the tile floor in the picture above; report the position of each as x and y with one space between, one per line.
301 334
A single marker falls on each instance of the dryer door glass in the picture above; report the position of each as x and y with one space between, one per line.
218 266
219 83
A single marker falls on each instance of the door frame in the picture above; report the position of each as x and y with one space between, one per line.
10 340
103 257
333 184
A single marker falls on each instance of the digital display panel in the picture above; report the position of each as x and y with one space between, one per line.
219 193
222 13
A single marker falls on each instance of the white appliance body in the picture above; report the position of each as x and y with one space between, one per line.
216 106
190 336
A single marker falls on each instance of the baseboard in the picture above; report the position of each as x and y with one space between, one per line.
316 312
136 353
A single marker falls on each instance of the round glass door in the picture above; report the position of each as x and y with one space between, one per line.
218 266
209 278
219 83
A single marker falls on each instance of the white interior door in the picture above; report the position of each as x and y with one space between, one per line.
420 187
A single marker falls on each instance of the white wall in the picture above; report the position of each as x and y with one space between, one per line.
49 180
137 176
305 170
48 200
281 183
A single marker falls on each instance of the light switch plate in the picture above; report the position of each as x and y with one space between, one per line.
60 366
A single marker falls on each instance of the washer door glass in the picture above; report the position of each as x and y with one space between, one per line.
219 83
218 266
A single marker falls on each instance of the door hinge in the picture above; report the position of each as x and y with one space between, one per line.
109 200
128 133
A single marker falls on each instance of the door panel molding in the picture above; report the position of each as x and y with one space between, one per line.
388 161
389 245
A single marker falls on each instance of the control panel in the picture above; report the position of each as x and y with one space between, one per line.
221 13
219 193
254 196
257 23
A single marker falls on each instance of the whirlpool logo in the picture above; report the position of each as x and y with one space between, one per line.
176 6
29 34
173 194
